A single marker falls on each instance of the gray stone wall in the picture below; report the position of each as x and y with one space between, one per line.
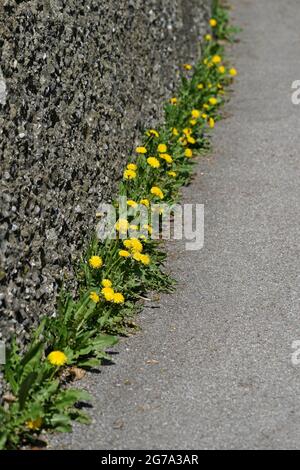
79 80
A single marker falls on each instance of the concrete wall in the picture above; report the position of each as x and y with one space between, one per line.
79 80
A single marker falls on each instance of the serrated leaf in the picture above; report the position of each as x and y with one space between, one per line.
89 363
106 340
61 422
68 398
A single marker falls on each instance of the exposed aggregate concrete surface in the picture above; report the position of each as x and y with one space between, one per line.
79 80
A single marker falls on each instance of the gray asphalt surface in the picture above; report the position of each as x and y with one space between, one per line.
224 377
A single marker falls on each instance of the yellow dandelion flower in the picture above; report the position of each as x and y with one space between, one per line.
204 116
187 131
141 150
137 246
108 293
106 283
156 191
205 106
131 203
133 244
118 298
122 225
132 166
193 122
34 424
94 297
200 86
208 37
152 132
127 244
172 173
182 140
216 59
175 131
95 262
145 202
162 148
153 162
191 140
211 123
166 157
137 256
213 101
173 100
188 153
222 69
145 259
187 66
213 22
57 358
195 113
129 174
124 253
233 72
